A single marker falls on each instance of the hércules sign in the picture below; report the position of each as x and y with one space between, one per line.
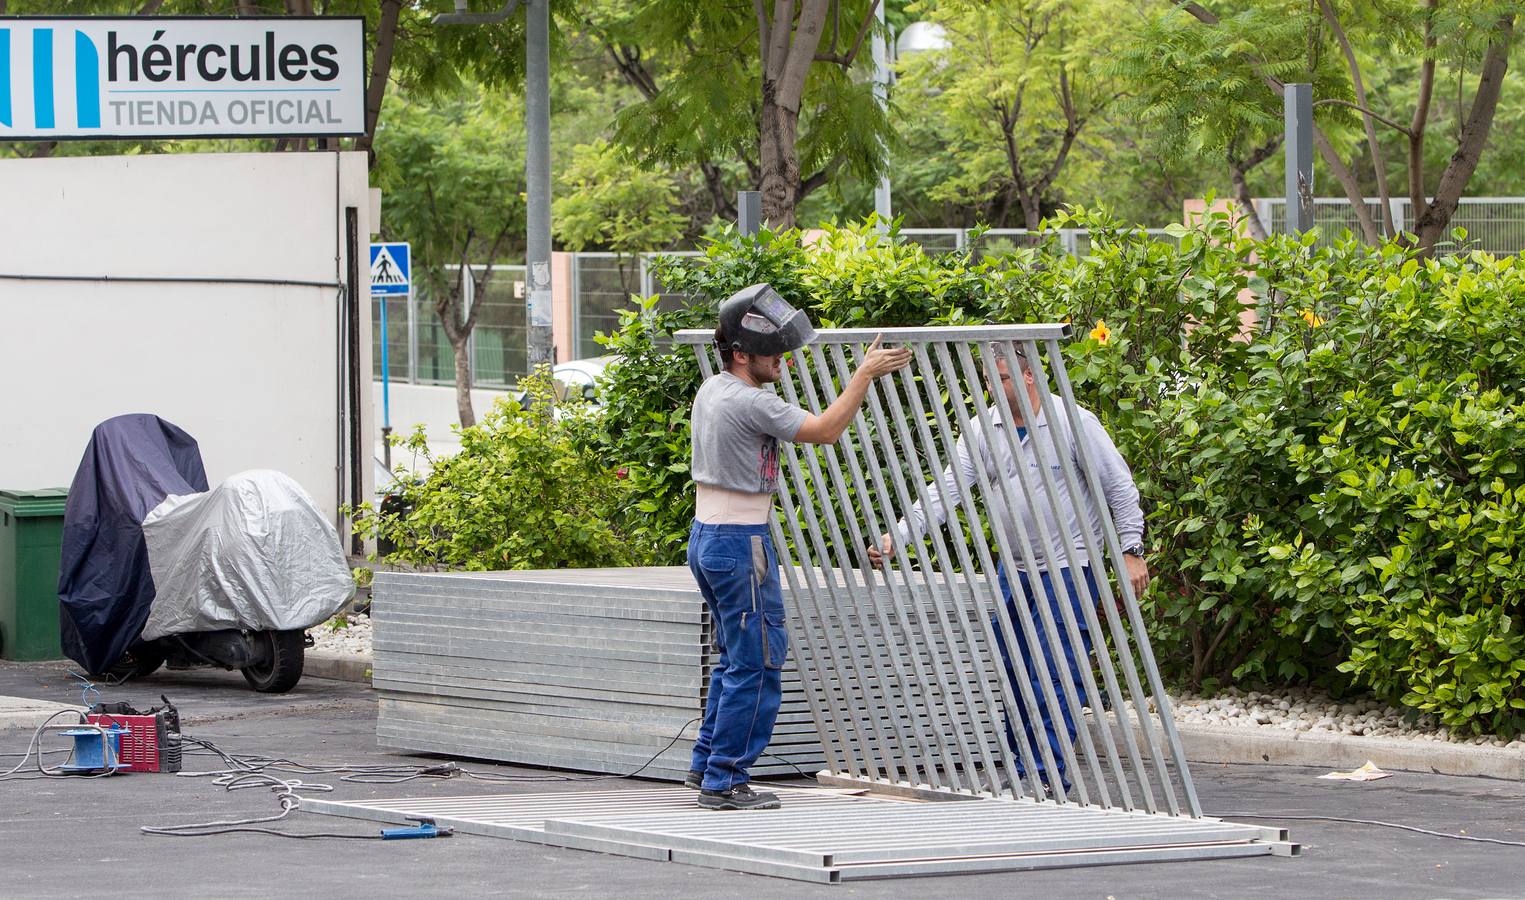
151 77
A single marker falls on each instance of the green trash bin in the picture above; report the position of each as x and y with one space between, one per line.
31 542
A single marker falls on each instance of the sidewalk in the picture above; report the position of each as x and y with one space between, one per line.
25 713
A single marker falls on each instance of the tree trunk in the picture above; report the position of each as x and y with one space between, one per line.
463 382
1252 223
1238 169
780 163
1433 221
1032 210
381 71
1379 167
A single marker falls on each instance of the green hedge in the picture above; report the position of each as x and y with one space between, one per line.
1333 496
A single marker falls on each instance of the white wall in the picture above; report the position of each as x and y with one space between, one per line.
433 407
251 371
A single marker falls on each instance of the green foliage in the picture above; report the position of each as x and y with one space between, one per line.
452 174
605 203
528 490
1327 438
647 395
700 65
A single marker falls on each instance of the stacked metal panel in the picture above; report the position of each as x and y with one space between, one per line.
596 670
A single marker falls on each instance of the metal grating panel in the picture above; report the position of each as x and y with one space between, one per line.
829 836
913 694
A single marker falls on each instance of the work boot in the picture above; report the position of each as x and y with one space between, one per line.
739 797
693 780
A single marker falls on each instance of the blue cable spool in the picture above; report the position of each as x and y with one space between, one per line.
96 750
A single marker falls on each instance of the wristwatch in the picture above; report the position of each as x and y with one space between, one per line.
1134 550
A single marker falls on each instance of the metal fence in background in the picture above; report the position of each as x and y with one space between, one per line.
1494 224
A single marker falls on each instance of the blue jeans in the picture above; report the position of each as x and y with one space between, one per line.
1043 665
737 572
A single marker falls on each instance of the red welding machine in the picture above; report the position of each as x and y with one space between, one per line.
152 742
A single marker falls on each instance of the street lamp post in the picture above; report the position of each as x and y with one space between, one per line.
917 37
537 164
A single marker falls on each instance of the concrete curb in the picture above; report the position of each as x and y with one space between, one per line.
21 712
1277 747
337 666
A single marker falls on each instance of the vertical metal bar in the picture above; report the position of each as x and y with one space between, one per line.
956 589
1120 635
748 212
859 542
898 600
1119 701
1028 563
844 711
412 337
1050 453
985 588
1130 603
538 316
1055 661
468 300
1297 114
994 489
822 489
934 590
352 367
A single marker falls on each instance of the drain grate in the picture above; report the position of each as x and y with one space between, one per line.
832 836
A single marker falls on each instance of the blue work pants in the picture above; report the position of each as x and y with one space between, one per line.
1041 664
737 571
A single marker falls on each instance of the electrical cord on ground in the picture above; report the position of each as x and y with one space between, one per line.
249 771
34 749
288 799
1414 828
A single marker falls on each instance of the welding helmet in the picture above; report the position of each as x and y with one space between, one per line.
757 320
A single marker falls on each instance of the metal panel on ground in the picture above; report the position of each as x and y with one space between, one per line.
828 836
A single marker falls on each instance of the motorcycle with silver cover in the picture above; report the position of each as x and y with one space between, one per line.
159 567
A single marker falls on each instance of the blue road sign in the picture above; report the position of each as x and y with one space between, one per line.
391 269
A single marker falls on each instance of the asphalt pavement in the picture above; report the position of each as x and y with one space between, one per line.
75 837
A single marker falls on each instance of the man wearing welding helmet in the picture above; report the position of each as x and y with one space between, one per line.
737 423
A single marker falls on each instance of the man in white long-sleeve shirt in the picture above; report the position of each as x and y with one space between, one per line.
1052 561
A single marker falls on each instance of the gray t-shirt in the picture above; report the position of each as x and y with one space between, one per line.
736 430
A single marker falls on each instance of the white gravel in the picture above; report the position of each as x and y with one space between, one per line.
347 636
1300 710
1295 710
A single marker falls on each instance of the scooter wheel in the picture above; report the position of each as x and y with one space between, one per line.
284 668
138 662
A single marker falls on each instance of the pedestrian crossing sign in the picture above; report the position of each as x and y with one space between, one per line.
391 268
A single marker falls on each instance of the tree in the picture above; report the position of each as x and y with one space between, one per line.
452 173
1195 89
1019 83
772 88
604 202
1464 38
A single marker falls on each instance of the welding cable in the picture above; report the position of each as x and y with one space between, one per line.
1414 828
239 764
289 801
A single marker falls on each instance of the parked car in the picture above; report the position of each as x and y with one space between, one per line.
579 377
